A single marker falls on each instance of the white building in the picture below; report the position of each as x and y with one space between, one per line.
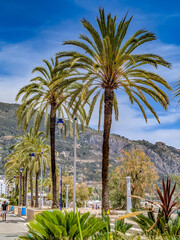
3 188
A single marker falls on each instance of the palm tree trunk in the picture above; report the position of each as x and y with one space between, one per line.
16 188
36 201
108 106
49 189
53 160
31 187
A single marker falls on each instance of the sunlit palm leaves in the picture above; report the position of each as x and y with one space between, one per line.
177 91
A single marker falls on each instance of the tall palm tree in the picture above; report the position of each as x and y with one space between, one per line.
111 64
39 98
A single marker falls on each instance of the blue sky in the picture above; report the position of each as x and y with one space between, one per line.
33 30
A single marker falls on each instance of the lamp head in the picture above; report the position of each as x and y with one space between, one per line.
32 155
60 123
21 169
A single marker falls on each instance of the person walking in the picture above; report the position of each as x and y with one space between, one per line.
4 210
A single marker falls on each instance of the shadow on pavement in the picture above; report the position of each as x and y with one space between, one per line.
13 221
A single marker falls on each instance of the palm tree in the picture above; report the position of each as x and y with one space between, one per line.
111 64
12 169
40 98
28 143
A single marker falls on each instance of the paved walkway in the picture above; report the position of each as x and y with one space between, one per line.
12 228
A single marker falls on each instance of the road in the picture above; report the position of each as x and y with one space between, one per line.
12 228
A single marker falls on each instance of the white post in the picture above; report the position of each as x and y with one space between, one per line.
74 194
67 202
27 190
129 203
19 203
41 197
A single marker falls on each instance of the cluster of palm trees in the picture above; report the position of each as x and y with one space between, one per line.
103 63
27 145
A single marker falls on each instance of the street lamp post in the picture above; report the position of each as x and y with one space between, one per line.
67 202
41 206
8 193
74 195
14 185
20 174
60 124
27 190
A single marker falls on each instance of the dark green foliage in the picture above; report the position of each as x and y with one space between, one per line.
121 226
90 147
107 233
14 200
68 225
146 223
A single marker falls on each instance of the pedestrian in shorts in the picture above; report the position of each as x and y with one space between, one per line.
4 210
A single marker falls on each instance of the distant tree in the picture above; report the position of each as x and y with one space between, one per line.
82 191
83 194
67 180
143 175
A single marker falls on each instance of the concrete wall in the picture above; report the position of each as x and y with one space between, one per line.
15 209
8 208
31 212
19 211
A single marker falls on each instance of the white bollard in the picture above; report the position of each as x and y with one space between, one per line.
129 203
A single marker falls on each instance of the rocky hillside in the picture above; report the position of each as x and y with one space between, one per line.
165 158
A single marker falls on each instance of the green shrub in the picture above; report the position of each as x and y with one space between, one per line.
68 225
13 200
120 228
154 229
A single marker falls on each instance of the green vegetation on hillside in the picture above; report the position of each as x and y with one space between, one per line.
166 160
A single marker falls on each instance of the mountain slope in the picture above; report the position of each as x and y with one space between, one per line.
165 158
